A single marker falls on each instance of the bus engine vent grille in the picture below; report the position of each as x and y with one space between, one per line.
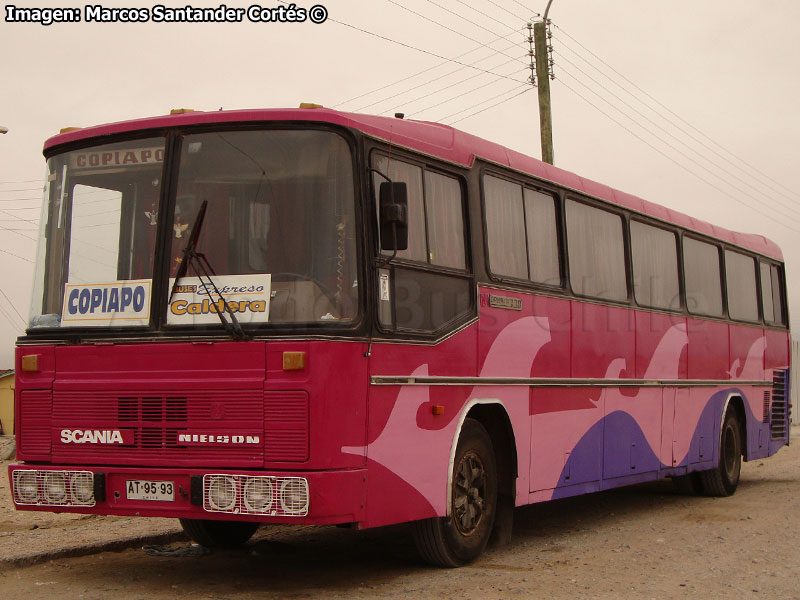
156 419
778 424
765 414
152 422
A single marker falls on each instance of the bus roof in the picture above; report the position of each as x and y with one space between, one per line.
437 140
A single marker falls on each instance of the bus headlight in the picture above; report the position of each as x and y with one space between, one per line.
221 493
55 487
258 494
26 487
82 488
294 496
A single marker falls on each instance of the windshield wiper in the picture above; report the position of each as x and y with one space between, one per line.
201 264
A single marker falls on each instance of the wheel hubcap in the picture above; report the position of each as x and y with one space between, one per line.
469 493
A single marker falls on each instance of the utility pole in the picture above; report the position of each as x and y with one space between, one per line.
543 75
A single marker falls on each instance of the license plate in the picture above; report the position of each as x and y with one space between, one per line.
138 489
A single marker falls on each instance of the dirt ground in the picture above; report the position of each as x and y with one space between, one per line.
640 542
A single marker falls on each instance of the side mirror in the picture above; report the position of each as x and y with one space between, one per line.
394 215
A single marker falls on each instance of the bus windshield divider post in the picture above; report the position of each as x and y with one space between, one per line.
200 263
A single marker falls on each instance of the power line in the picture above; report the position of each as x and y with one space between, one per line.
15 218
671 146
442 25
424 83
487 15
477 112
450 86
670 134
23 181
18 229
19 199
405 45
18 232
22 190
458 112
16 256
675 125
674 114
516 16
14 325
434 67
461 95
671 159
21 208
523 7
21 318
463 18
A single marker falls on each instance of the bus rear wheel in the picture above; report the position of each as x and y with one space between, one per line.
722 480
214 534
460 538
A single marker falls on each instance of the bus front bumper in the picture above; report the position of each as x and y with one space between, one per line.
308 497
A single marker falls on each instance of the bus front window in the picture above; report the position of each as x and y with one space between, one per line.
279 222
97 236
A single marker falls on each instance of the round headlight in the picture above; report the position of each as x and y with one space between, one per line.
26 486
294 496
82 488
55 488
221 493
258 494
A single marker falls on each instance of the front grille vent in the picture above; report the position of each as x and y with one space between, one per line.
152 408
778 424
152 421
156 419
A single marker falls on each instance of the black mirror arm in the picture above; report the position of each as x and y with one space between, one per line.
377 172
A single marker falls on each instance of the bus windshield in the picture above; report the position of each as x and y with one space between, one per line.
278 235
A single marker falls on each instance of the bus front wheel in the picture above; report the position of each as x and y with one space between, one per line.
459 538
214 534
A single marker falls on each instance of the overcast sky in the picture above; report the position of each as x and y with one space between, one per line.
725 73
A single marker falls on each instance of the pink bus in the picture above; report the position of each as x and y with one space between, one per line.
308 316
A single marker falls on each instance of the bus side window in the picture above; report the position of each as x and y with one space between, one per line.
655 266
596 252
435 213
521 232
542 232
422 297
771 297
703 281
505 228
740 275
445 220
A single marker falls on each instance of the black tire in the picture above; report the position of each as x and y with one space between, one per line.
214 534
722 480
460 538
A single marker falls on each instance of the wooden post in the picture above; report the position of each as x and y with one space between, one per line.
543 79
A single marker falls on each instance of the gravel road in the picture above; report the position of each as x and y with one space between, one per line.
639 542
